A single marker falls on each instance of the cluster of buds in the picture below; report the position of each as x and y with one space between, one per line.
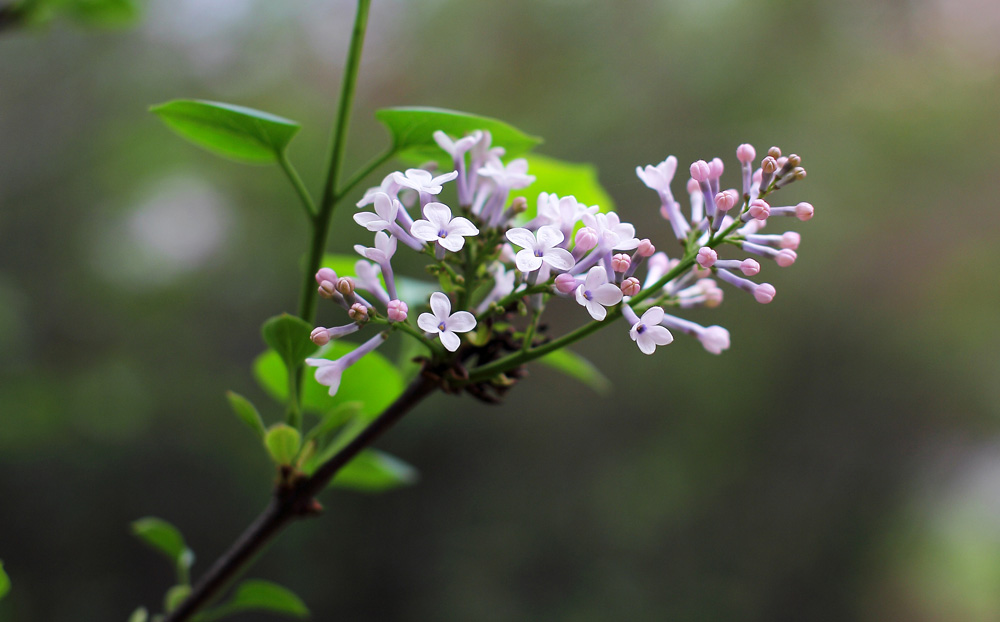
495 264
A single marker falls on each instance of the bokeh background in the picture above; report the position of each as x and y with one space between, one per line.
840 462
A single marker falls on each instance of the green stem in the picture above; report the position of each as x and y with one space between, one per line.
321 223
358 177
300 188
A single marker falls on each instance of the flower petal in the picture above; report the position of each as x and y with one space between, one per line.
428 323
646 343
526 261
659 335
652 316
607 294
386 207
370 221
596 277
438 213
559 258
596 310
549 236
440 306
450 340
462 322
452 242
424 230
462 226
521 237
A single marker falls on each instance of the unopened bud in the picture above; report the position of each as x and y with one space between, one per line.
566 283
358 312
764 293
745 153
519 205
804 211
759 209
725 201
749 267
707 257
397 310
645 248
693 186
790 239
586 239
785 257
700 171
320 336
326 274
630 286
774 152
345 285
716 167
327 289
768 165
620 262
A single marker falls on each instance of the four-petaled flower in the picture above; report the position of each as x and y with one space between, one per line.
385 248
422 181
440 227
648 333
386 209
444 323
596 293
540 249
612 233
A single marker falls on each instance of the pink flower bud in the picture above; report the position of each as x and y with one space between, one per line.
707 257
630 286
781 162
326 274
620 262
397 310
757 176
566 283
358 312
774 153
713 296
519 205
700 171
764 293
745 153
320 336
645 248
768 165
785 257
714 339
804 211
327 289
716 167
693 186
586 239
725 201
759 209
749 267
790 239
345 285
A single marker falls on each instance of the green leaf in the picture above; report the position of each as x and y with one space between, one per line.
234 132
575 366
289 337
4 582
175 596
413 130
163 537
247 413
564 179
100 12
283 443
374 471
258 595
373 381
336 418
139 615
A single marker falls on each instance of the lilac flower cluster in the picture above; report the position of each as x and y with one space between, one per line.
495 265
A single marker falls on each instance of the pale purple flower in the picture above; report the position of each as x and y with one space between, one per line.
368 280
442 322
539 248
385 248
457 150
386 209
611 232
423 181
659 177
328 373
503 284
714 339
388 186
512 176
562 213
438 226
647 332
596 293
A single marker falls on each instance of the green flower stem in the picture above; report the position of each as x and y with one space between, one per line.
300 188
321 223
358 177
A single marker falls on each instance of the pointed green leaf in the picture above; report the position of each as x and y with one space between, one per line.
258 595
413 130
139 615
101 12
374 471
247 413
575 366
4 582
163 537
564 179
242 134
373 381
289 337
175 596
336 418
283 443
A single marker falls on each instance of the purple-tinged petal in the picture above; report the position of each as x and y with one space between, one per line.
549 236
424 230
597 311
607 294
461 322
521 237
450 340
428 323
452 242
440 306
462 226
526 261
559 258
438 214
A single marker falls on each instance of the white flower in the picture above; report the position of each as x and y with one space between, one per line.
596 293
386 209
385 248
511 177
563 212
540 249
659 177
388 186
422 181
714 339
440 227
328 373
648 333
444 323
457 148
612 233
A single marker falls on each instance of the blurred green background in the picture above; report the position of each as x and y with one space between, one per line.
840 462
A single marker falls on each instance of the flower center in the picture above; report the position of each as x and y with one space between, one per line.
442 234
441 327
539 252
640 329
587 294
